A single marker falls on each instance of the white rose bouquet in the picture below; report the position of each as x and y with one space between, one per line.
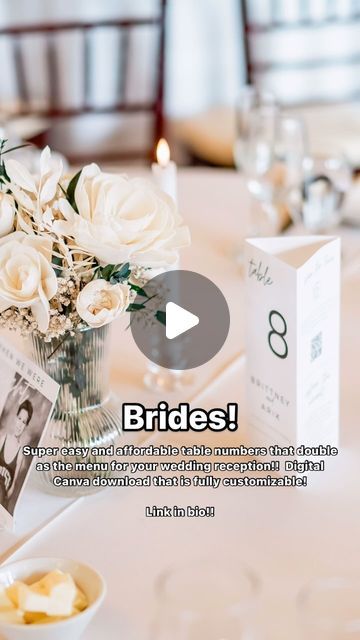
74 250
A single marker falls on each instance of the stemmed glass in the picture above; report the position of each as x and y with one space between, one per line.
290 152
250 100
329 609
212 600
270 149
256 114
160 380
276 162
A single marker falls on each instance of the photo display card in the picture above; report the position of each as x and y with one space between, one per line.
292 340
27 398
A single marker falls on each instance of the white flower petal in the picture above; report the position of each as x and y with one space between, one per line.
48 218
20 175
15 236
66 209
41 244
41 313
22 198
45 161
23 222
7 214
48 190
62 228
48 279
91 170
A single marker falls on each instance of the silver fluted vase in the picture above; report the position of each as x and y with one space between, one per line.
86 413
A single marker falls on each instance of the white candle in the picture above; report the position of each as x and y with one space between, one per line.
165 170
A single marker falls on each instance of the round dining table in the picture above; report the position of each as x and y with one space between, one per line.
289 536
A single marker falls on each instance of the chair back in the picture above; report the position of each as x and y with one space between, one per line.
66 48
303 51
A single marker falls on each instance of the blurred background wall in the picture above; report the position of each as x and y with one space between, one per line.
304 51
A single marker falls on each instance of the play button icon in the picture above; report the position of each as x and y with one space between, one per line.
178 320
182 321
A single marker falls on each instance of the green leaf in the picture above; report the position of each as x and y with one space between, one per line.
141 292
122 270
135 307
80 379
62 189
106 272
3 174
161 317
71 190
114 273
117 277
57 262
97 273
75 390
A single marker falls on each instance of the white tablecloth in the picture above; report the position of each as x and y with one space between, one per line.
287 535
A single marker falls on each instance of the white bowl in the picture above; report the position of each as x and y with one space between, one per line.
86 578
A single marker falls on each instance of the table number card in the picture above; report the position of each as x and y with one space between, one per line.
292 336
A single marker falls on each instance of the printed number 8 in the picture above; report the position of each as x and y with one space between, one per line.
275 332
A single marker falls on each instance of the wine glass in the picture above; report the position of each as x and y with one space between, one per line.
329 609
290 151
250 100
277 149
273 165
159 379
255 134
212 600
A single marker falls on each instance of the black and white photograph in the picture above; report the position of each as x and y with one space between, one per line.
27 397
22 421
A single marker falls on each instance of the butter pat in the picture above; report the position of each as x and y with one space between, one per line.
14 616
41 618
6 603
53 598
53 595
30 600
80 602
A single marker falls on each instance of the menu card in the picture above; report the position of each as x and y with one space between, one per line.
292 340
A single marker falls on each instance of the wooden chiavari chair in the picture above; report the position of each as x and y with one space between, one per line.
54 111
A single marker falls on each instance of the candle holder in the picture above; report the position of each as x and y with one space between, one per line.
159 379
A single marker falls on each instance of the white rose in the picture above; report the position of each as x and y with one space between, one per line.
7 214
27 278
100 302
122 219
